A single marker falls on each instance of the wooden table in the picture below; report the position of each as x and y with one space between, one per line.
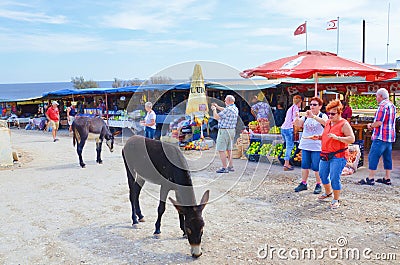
358 130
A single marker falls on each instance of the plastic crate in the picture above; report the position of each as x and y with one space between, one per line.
291 161
253 158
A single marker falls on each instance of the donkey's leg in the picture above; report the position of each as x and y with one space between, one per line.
181 218
99 143
79 148
161 208
132 190
182 224
137 188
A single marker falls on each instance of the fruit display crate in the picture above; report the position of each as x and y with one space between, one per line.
292 156
257 154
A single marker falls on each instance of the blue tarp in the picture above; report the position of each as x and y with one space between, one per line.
162 87
131 89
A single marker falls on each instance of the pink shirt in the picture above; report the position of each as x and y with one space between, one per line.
290 117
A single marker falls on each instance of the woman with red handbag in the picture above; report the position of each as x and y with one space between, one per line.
336 137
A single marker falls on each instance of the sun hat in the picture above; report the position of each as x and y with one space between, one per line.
54 102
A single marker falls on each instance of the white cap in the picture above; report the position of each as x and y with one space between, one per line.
54 102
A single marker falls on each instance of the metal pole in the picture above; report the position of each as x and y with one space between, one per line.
337 39
387 44
315 84
306 33
363 42
107 108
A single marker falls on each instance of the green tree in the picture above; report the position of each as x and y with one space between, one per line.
117 82
124 83
161 80
80 83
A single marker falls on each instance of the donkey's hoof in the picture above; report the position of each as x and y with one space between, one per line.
135 226
100 161
83 165
141 220
157 234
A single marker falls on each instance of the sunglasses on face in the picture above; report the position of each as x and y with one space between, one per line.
313 104
331 113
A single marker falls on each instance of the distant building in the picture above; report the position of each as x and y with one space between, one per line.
392 66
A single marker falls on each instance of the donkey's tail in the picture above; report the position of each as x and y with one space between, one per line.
76 136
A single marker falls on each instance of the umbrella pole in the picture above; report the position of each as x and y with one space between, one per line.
315 84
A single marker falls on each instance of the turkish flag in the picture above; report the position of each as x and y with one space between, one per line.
300 29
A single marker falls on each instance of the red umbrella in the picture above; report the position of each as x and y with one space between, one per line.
308 63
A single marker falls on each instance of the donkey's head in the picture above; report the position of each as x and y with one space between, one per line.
194 223
110 140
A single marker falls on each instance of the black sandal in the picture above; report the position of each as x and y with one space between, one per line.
324 196
384 181
367 181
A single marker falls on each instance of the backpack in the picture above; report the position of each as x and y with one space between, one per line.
319 115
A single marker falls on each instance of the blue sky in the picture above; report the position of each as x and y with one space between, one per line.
50 41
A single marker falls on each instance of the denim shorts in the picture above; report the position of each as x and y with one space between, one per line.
310 160
149 132
330 171
380 148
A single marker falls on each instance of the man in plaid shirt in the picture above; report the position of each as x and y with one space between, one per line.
227 119
383 136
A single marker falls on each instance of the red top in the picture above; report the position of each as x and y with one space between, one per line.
330 145
347 112
53 114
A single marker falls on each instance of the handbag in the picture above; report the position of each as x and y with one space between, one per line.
329 156
296 135
296 129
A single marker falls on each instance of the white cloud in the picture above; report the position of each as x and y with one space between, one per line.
234 26
190 44
158 16
49 43
32 17
258 32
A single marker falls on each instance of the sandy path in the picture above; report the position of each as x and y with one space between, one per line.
54 212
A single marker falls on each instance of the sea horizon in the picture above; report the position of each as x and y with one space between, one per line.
20 91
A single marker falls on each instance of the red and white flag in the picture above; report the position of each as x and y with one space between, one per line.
332 24
301 29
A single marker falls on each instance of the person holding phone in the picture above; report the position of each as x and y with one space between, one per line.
313 124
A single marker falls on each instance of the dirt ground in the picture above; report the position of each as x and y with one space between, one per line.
54 212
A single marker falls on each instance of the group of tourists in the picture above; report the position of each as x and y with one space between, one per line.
325 139
324 142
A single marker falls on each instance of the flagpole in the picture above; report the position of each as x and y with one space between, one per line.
387 44
305 22
337 38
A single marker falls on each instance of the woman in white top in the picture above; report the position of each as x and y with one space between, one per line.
313 124
149 121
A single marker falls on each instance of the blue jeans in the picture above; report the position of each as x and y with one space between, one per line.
310 159
330 171
380 148
149 132
287 135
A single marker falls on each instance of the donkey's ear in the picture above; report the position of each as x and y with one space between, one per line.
180 208
204 200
